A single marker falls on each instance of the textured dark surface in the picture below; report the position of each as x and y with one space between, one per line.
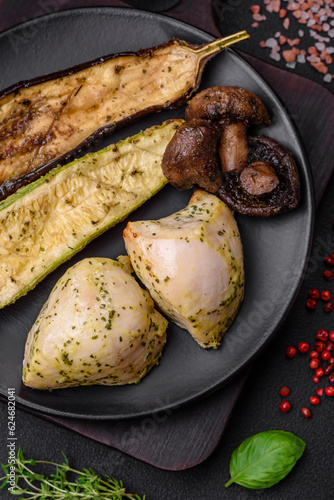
256 410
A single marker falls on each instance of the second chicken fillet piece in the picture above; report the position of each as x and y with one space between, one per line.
192 264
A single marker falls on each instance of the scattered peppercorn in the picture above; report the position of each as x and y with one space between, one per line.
285 406
314 400
328 307
319 391
311 304
325 355
314 355
329 391
322 335
328 369
306 412
303 347
325 295
314 364
314 294
290 352
331 336
284 391
319 346
329 261
319 372
328 275
329 346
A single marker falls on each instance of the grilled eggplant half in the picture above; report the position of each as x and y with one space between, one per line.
46 120
48 221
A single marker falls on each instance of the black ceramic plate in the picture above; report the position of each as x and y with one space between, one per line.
275 249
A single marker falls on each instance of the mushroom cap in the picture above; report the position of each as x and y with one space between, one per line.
283 198
228 103
191 157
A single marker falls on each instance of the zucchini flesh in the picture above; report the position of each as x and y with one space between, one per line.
47 222
45 120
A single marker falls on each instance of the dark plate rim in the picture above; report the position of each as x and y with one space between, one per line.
308 189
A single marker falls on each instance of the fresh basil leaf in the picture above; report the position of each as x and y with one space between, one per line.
264 459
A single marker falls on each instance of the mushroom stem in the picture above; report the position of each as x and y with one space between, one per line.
258 178
233 147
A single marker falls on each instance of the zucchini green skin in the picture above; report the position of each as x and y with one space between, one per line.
47 222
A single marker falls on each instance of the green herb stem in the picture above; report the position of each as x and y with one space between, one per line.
88 486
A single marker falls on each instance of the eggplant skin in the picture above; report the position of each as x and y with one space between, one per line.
48 119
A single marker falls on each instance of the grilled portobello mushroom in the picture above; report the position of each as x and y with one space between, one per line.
283 175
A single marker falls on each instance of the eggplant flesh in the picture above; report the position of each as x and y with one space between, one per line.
46 120
45 223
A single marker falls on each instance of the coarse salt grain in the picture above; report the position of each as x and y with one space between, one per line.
328 78
271 42
255 9
275 56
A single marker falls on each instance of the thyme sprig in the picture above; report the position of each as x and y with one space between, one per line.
86 486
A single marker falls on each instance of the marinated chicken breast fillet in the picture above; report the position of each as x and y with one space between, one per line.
97 327
192 264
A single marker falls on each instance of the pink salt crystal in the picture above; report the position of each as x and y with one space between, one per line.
276 5
255 9
325 27
286 23
295 41
275 56
319 66
304 15
255 25
328 78
313 59
292 6
271 42
289 55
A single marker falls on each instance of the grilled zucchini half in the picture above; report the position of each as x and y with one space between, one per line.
48 221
